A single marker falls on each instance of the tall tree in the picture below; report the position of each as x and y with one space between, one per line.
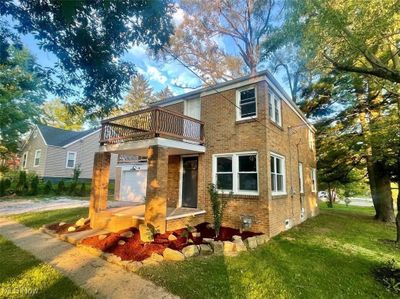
164 93
140 94
241 25
351 35
60 115
21 92
89 38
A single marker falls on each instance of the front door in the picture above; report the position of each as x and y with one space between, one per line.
189 182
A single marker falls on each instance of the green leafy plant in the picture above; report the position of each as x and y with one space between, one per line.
60 187
389 276
34 186
4 185
48 188
76 174
83 191
22 184
218 205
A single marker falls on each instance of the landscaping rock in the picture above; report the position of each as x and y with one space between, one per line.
190 241
146 235
190 251
239 245
173 255
196 234
127 234
112 258
61 223
205 249
91 250
171 237
228 246
157 257
262 239
121 242
236 237
208 240
102 237
218 247
150 262
251 242
80 222
71 229
133 266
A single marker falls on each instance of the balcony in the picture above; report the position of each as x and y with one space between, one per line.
151 123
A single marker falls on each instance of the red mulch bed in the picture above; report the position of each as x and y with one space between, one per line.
135 249
63 229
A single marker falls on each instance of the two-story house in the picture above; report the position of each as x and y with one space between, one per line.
245 135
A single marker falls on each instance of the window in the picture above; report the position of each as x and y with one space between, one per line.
236 173
313 180
246 102
311 140
71 160
278 181
24 160
38 154
274 109
301 178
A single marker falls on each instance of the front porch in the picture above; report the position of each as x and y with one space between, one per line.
173 145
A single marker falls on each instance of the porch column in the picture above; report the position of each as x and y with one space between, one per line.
157 185
100 180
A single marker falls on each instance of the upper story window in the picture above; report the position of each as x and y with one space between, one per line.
71 160
246 101
274 109
278 175
301 178
24 160
313 180
237 173
38 154
311 140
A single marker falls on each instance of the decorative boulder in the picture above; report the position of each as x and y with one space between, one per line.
102 237
127 234
218 247
236 237
121 242
171 237
80 222
146 235
149 262
205 249
173 255
133 266
239 245
190 251
208 240
112 258
157 257
261 239
61 223
251 242
196 234
71 229
228 246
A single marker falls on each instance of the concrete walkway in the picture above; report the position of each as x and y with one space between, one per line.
95 275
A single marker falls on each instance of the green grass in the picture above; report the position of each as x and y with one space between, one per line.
329 256
37 219
23 276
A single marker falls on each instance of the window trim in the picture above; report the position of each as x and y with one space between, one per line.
25 160
313 180
36 157
66 161
301 177
239 109
284 192
311 140
235 172
271 104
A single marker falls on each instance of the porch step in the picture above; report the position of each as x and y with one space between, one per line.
114 223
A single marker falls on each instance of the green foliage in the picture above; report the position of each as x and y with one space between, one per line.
218 205
90 39
83 191
60 187
76 174
72 188
4 185
22 184
34 185
59 115
48 188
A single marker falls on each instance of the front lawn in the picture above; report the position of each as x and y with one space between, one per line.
330 256
23 276
37 219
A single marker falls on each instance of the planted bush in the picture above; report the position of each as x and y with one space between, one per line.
60 187
22 184
218 205
48 188
83 191
34 188
4 185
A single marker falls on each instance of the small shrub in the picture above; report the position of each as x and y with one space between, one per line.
389 276
83 191
60 187
76 174
72 188
4 185
218 205
48 188
34 188
22 184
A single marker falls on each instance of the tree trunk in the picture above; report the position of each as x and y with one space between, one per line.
383 193
330 203
372 187
398 214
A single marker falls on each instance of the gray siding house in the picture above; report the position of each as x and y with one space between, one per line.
53 153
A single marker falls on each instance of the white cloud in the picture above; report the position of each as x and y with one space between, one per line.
138 50
155 75
177 17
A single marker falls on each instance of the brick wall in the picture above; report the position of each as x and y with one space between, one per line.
173 181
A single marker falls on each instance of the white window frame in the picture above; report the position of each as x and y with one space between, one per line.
282 158
273 101
301 177
235 173
66 161
36 157
313 180
311 140
239 108
25 160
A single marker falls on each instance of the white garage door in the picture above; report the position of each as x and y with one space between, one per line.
133 183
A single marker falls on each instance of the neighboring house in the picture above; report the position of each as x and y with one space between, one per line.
246 136
54 153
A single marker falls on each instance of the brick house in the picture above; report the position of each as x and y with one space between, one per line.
245 135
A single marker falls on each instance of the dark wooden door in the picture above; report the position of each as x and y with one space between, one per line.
189 182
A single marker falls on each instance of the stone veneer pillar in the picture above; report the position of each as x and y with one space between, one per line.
100 181
157 187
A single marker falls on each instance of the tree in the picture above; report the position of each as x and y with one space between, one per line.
59 115
164 93
21 92
140 94
89 38
243 24
351 35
